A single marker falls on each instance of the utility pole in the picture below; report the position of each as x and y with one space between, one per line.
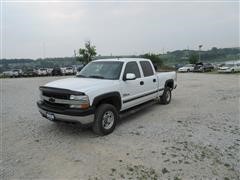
75 54
199 51
44 51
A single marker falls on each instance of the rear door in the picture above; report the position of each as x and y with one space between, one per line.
150 80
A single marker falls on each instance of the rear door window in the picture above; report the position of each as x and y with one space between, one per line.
147 68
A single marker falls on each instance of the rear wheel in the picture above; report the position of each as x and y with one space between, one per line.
232 71
188 70
106 117
166 97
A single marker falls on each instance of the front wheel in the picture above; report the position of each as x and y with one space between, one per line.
166 97
106 117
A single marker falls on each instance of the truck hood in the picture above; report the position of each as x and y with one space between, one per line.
80 84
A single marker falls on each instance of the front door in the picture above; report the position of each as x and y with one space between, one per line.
132 90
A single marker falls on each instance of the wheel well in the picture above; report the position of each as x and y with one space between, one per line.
114 100
169 83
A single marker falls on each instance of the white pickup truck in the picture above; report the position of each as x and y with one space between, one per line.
103 90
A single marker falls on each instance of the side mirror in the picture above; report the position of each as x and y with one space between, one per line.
130 76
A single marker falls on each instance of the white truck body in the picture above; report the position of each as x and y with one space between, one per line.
129 92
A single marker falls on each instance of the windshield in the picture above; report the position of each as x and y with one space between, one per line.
102 70
189 65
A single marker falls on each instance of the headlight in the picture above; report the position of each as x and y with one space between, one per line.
83 101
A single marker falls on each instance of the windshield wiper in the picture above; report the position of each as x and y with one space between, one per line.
94 76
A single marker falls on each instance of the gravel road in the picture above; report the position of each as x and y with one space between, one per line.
196 136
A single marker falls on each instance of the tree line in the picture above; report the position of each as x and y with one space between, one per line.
88 53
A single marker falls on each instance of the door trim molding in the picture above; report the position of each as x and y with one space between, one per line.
143 95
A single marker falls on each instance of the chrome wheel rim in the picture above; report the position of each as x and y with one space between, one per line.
108 120
168 96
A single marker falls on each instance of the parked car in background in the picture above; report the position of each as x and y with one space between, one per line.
79 68
57 71
7 74
49 71
42 72
29 73
177 66
203 67
63 70
229 68
69 71
17 72
186 68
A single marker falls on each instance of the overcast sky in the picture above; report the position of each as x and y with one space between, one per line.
34 30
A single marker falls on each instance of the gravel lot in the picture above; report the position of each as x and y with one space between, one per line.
196 136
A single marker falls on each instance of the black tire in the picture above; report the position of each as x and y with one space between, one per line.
166 97
188 70
232 71
101 111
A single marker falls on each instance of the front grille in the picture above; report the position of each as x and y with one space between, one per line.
56 95
56 105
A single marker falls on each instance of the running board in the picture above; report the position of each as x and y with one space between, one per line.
135 109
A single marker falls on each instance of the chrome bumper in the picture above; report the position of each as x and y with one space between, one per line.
67 118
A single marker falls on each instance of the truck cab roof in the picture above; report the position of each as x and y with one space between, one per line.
124 59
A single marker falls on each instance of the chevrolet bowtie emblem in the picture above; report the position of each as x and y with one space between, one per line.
51 99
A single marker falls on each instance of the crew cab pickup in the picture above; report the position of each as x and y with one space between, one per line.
103 90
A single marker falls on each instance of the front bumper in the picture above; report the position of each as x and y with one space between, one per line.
70 115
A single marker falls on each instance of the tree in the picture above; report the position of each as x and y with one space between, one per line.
88 53
193 59
156 60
